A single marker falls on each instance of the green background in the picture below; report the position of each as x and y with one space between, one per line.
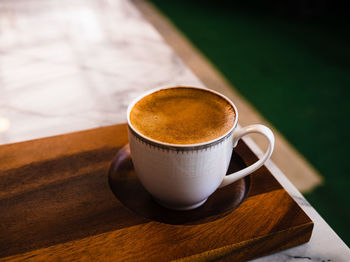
293 64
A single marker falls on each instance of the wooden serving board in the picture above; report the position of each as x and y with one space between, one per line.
56 204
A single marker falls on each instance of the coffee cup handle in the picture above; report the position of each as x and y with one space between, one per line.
260 129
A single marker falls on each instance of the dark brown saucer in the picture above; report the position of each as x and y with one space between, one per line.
129 191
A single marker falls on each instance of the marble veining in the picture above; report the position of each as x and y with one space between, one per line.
67 66
72 65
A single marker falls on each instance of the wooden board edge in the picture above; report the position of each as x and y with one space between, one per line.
46 148
297 235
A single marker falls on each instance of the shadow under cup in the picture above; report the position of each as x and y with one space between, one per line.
128 190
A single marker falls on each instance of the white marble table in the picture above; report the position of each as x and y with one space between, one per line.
73 65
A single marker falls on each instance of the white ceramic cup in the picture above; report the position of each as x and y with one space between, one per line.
183 176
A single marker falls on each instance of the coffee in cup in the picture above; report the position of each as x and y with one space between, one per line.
181 141
182 115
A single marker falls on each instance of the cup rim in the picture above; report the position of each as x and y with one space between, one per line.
164 144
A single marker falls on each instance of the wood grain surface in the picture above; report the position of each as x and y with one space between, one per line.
56 204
